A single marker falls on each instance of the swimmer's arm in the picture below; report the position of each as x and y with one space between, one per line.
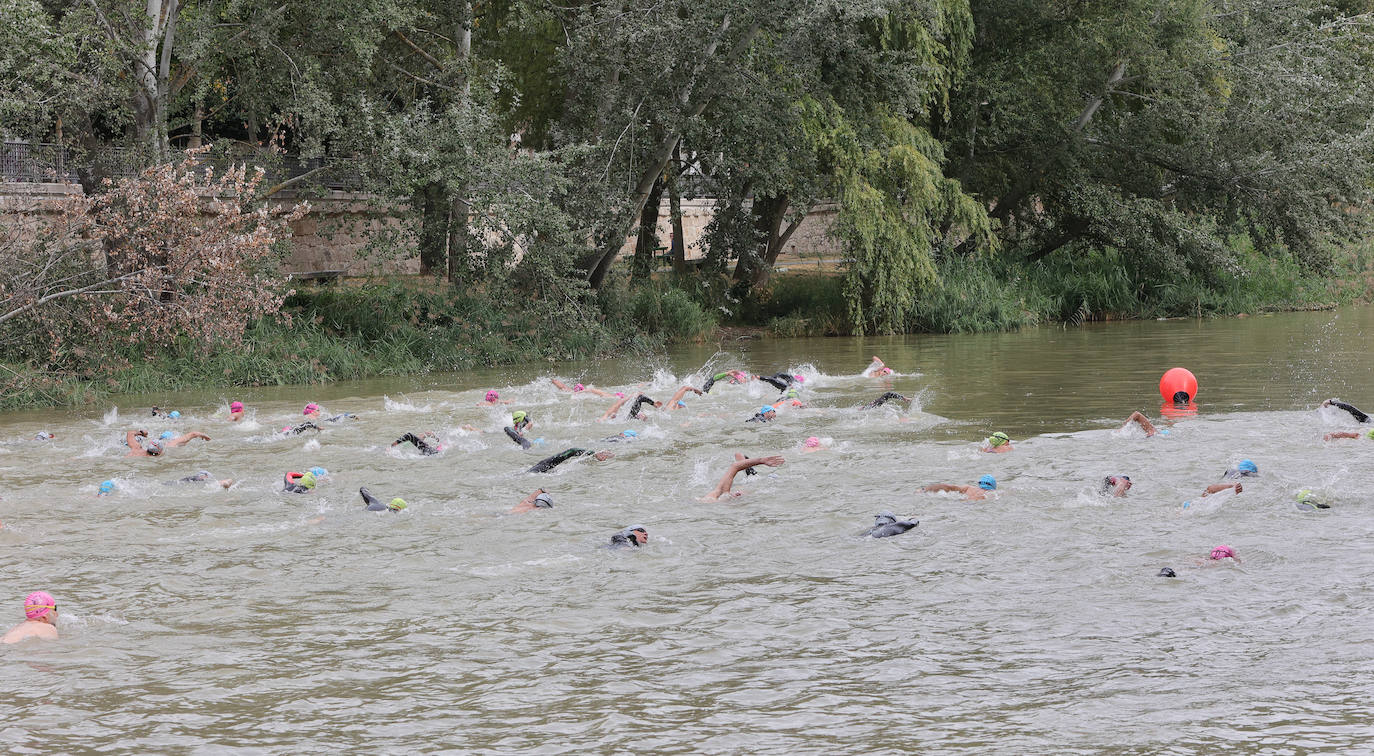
186 437
131 435
1359 416
527 503
610 413
1340 434
560 385
944 488
1219 487
1143 422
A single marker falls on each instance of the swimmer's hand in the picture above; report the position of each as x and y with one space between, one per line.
773 461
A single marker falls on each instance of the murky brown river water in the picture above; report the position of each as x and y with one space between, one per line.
203 620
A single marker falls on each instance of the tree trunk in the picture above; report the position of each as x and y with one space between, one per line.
768 213
678 244
458 241
647 244
197 125
434 217
775 247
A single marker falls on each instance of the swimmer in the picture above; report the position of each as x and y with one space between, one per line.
235 411
299 429
625 435
203 476
298 483
548 463
375 505
520 419
615 408
1143 422
1359 416
492 399
766 413
540 499
1244 469
1166 573
1116 485
790 399
427 442
742 464
40 619
812 444
633 536
1348 434
876 368
579 388
155 448
311 410
44 436
1306 501
515 436
1219 553
781 381
885 398
106 488
887 525
971 493
640 401
1219 487
997 443
733 376
676 402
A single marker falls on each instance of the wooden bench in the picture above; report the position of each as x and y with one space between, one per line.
320 276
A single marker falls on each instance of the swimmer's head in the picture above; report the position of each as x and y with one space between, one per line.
396 504
174 415
1166 572
38 604
792 394
885 371
166 435
681 403
812 442
620 394
800 378
886 518
43 436
153 448
987 483
767 408
492 395
318 472
543 501
235 406
518 416
310 409
1181 397
1247 467
636 533
306 480
579 387
106 488
998 438
1368 434
1223 552
739 375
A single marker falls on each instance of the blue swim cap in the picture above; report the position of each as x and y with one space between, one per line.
681 403
766 409
1247 466
987 483
319 472
107 486
630 433
174 415
166 434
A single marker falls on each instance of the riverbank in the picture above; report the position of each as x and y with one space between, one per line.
415 327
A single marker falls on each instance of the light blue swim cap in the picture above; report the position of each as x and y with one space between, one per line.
681 403
319 472
630 433
1247 466
174 415
987 483
766 409
107 486
166 435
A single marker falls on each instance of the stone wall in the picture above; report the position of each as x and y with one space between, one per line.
355 234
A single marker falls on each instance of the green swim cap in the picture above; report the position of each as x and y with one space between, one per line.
792 394
396 505
307 480
1369 434
518 415
998 438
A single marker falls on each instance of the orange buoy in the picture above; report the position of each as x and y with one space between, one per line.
1176 380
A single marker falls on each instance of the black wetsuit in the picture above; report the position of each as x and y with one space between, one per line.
884 399
516 437
290 487
303 427
706 387
548 463
341 416
887 525
640 401
620 541
373 503
759 417
420 444
1359 416
779 381
1234 473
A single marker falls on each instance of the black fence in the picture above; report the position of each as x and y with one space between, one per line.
36 163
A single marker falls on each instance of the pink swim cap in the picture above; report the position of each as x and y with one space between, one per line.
492 395
812 442
311 407
800 378
1223 552
236 406
619 394
885 371
578 387
38 604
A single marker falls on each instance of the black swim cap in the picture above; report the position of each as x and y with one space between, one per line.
1166 572
1181 397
